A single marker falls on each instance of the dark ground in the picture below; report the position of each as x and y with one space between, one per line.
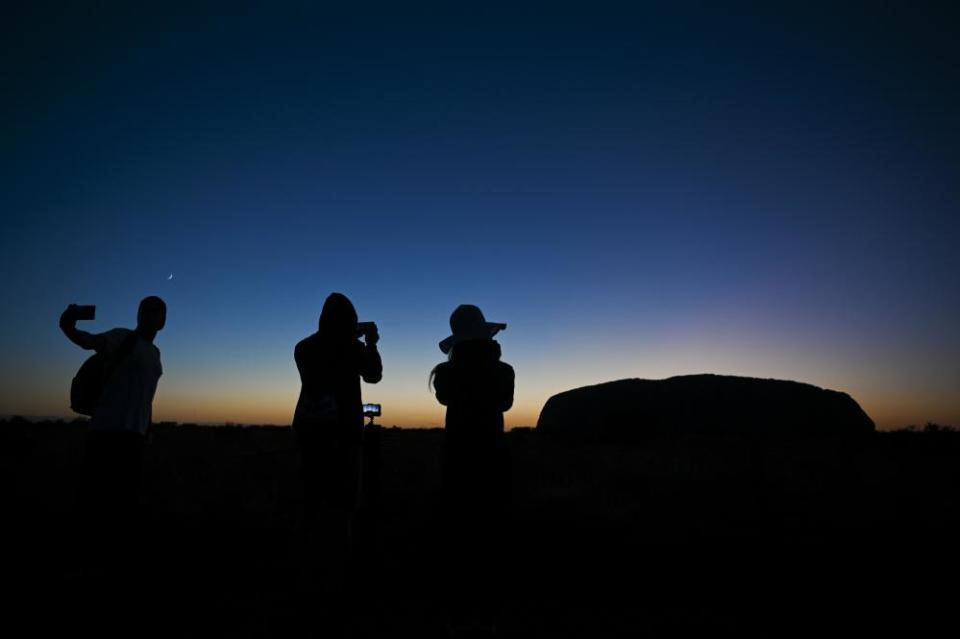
667 538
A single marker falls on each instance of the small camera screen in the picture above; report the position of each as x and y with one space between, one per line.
371 410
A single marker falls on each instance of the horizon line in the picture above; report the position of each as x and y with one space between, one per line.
82 419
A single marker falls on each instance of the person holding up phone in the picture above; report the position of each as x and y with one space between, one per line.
114 443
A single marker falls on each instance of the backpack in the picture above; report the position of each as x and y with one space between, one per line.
89 382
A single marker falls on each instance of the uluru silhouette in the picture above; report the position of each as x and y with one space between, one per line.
637 409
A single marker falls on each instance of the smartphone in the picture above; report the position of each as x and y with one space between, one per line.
371 410
85 312
363 328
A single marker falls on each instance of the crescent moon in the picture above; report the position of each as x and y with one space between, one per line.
170 277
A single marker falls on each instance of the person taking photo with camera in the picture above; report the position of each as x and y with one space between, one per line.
477 388
328 423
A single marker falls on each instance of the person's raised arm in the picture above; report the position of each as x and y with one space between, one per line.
371 366
505 398
300 357
83 339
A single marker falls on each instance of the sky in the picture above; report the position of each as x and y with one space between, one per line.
636 189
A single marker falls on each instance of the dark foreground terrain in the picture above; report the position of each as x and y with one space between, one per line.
671 537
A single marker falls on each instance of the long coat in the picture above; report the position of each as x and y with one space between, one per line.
476 467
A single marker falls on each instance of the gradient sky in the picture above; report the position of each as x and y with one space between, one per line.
638 190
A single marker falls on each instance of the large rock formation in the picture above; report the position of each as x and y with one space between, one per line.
637 409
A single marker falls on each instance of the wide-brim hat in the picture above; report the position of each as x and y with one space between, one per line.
468 323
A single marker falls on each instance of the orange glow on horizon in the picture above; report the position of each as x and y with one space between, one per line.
268 395
888 411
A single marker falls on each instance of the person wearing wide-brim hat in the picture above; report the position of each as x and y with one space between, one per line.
477 388
467 323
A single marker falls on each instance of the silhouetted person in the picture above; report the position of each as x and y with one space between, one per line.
476 387
114 443
329 424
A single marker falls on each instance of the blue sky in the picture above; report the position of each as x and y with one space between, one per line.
636 189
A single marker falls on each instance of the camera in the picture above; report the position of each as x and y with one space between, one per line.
366 328
371 410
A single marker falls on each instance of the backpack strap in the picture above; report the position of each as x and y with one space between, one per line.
123 353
